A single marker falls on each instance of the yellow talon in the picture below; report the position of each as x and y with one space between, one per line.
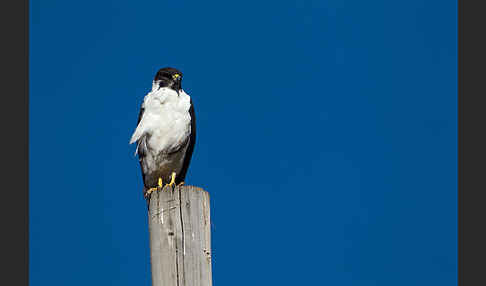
181 184
172 180
159 187
149 191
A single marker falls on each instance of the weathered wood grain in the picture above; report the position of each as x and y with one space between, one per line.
180 237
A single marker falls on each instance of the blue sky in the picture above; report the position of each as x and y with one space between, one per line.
327 137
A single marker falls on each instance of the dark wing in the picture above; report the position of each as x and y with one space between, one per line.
141 144
192 141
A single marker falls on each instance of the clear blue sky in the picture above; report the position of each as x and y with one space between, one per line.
326 138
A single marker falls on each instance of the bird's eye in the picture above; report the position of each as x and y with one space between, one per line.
176 76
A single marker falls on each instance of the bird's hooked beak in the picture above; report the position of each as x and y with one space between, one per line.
177 78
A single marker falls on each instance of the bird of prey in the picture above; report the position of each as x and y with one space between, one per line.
165 133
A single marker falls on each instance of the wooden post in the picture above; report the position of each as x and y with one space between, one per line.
180 237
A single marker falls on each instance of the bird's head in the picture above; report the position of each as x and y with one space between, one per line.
169 77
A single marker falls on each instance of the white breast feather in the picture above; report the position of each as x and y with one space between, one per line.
166 119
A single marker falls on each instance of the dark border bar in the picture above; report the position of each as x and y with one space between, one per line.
472 144
14 115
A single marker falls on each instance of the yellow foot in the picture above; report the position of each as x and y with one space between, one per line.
181 184
159 187
151 190
172 179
